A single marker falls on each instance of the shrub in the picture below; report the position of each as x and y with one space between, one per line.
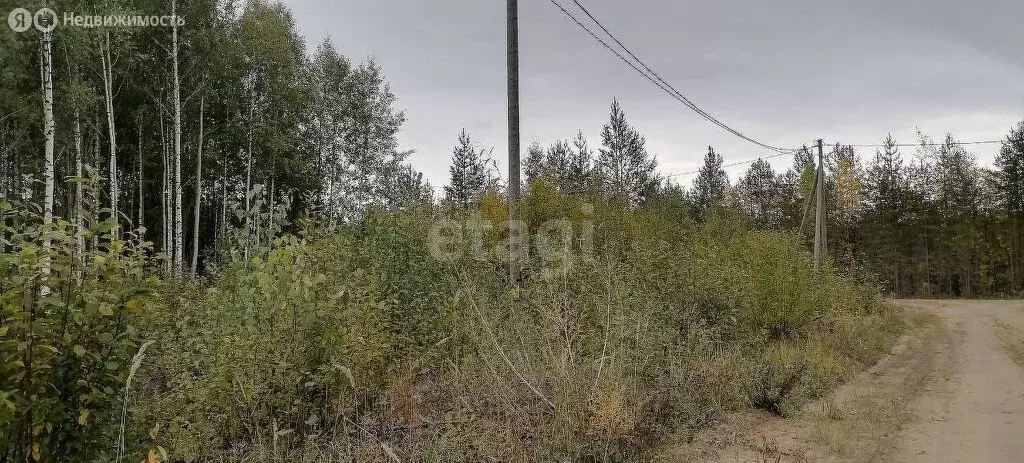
68 332
356 344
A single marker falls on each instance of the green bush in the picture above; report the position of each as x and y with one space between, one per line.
295 342
68 333
357 344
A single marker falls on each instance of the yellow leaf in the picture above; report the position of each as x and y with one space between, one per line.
83 416
135 305
152 457
106 310
36 454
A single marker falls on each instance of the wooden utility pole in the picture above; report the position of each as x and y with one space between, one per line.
514 228
820 243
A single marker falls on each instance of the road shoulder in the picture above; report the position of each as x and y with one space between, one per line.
856 422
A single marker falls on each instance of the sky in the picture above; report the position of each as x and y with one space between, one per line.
785 72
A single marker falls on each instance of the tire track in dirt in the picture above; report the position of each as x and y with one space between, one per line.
950 391
972 408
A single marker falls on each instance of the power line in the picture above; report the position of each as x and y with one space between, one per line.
656 79
689 103
901 145
659 82
740 163
912 145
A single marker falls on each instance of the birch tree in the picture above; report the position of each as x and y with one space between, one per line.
46 71
79 237
168 243
108 97
199 189
141 185
177 144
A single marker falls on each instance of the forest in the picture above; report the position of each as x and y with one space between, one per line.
213 248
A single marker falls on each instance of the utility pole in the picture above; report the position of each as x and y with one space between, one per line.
820 243
514 229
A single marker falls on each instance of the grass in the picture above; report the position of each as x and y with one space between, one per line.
1012 340
358 345
855 423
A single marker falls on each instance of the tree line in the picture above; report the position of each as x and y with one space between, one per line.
926 221
189 128
198 135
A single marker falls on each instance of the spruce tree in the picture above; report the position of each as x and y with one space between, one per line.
625 166
533 167
578 174
709 187
468 173
885 185
556 164
759 191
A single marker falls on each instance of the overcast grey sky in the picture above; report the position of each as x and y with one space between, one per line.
783 71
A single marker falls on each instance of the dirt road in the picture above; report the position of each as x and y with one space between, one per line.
951 391
971 408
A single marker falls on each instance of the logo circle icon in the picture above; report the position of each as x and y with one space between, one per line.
38 20
20 19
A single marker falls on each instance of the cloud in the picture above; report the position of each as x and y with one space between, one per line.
785 71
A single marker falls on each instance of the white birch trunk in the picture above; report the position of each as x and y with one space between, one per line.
165 198
199 190
96 165
248 186
223 204
79 238
108 96
48 131
177 148
141 214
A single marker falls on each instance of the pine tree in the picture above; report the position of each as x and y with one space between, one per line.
843 200
533 166
1009 180
406 187
468 173
709 187
578 170
551 164
885 191
556 163
956 203
628 172
759 193
795 186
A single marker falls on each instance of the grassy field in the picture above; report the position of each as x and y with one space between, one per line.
360 344
400 339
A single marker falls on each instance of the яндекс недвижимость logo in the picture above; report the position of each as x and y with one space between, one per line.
45 20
